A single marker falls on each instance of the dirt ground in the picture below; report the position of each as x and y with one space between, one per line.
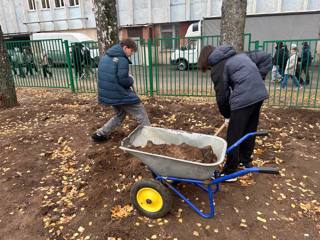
56 183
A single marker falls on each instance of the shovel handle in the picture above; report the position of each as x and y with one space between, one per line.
220 129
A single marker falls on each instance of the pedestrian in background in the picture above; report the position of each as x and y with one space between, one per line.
290 71
87 61
279 61
77 58
306 61
45 64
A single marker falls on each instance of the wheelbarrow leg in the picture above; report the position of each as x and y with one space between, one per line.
194 207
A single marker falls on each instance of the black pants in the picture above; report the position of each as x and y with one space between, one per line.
306 69
242 121
46 71
29 69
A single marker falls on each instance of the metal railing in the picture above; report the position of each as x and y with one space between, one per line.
162 66
302 87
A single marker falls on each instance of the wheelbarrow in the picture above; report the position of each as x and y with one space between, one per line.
152 197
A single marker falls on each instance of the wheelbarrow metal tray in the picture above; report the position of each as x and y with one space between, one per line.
169 166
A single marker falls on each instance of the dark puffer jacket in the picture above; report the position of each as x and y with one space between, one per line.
114 82
237 78
280 57
306 56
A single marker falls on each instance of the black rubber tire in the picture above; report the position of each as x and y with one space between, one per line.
160 188
182 65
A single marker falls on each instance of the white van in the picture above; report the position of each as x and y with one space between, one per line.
55 49
188 54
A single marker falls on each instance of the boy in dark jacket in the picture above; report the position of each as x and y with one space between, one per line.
240 92
115 88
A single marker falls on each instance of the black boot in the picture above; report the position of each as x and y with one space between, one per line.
98 138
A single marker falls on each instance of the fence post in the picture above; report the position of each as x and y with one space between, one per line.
66 45
256 45
150 65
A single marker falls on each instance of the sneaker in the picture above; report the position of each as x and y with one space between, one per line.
229 180
247 165
96 137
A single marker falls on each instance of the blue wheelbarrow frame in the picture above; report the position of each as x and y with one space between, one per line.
217 179
212 186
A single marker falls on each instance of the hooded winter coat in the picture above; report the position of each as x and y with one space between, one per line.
238 78
306 56
114 82
280 57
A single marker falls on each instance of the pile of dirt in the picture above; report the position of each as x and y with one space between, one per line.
182 151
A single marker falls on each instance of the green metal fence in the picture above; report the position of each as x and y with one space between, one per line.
306 71
162 66
175 65
39 63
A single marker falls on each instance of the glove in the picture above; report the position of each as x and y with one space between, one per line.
226 121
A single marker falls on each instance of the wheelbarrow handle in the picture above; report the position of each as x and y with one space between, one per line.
245 137
262 133
269 170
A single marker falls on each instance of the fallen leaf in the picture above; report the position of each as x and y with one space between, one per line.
261 219
121 212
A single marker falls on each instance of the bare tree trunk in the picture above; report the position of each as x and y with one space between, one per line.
105 12
233 17
8 97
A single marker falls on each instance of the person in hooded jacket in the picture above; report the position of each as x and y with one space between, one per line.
279 60
306 61
240 91
280 57
115 88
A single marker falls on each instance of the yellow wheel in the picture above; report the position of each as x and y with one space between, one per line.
151 198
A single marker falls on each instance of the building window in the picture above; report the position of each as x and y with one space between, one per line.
195 27
292 5
59 3
32 5
45 3
74 2
169 37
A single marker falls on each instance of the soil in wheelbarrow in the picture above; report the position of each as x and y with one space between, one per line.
182 151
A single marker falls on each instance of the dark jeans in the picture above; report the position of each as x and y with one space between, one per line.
242 121
281 71
21 71
29 69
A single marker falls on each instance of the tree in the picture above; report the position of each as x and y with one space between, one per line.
105 12
8 97
233 17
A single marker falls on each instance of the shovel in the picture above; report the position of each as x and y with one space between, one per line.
220 129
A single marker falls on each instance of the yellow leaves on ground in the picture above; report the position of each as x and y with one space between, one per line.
247 180
63 152
311 208
121 212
